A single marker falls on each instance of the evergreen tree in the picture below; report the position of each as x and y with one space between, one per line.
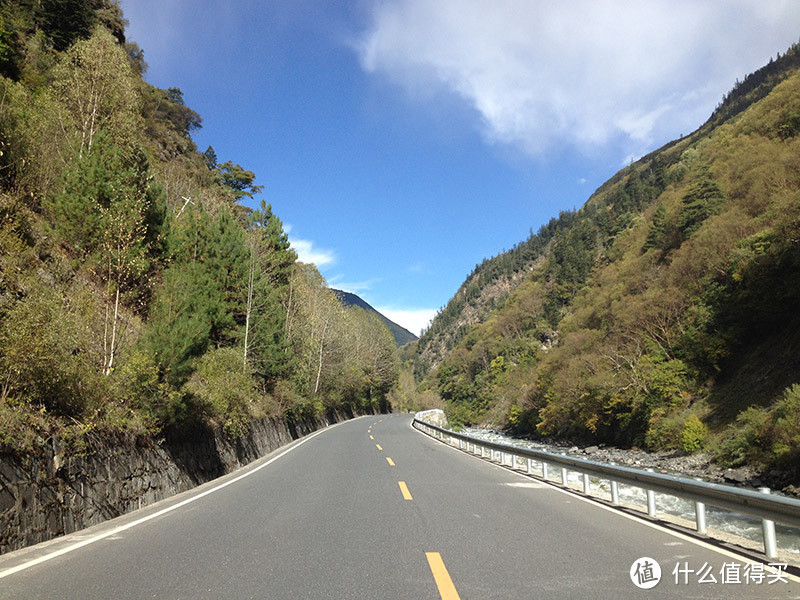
657 234
218 244
180 320
703 199
266 346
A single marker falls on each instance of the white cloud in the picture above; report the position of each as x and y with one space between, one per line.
354 287
584 72
307 253
413 319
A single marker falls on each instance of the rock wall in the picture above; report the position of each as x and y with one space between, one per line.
50 494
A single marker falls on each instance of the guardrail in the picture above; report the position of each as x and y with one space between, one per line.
763 505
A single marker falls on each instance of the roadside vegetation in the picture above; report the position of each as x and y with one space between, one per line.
137 291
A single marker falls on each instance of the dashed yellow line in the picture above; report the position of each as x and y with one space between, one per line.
390 461
446 588
404 490
371 437
378 446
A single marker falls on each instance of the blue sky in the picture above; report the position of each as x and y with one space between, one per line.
402 142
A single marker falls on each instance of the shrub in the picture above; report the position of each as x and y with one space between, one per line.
224 393
786 427
665 431
747 438
694 434
46 352
138 387
761 436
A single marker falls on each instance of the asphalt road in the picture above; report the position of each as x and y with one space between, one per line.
371 508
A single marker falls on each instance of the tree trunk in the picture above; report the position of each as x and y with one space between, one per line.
113 348
321 347
250 283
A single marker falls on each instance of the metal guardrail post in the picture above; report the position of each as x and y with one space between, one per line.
564 476
530 466
544 470
651 500
587 488
614 493
700 515
768 531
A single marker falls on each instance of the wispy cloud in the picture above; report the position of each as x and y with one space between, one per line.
308 253
413 319
354 287
582 73
419 269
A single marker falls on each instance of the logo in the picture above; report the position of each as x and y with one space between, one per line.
645 573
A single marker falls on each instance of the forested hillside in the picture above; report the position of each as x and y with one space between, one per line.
137 292
665 313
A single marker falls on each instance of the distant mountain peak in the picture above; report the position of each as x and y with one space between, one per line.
401 334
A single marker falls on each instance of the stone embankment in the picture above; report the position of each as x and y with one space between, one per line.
51 493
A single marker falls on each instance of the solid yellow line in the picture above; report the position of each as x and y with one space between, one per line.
378 446
390 461
446 588
404 490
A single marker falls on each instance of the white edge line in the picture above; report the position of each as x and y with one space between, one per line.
611 509
163 511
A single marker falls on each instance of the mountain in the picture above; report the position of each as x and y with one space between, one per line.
664 313
401 335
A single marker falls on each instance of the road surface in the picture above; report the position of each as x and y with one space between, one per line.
372 508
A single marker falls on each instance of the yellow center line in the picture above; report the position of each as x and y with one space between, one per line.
446 588
390 461
371 437
404 490
378 446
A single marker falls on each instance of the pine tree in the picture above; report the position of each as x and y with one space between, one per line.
656 235
266 348
703 199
